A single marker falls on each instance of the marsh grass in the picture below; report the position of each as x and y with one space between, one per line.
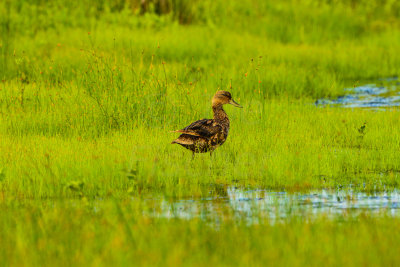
60 234
90 92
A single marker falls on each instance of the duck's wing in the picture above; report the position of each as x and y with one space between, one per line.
203 128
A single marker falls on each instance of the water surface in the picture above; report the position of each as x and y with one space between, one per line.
380 94
252 205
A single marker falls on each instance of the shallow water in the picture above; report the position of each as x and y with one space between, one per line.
253 205
383 93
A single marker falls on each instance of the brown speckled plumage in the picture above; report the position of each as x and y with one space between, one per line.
207 134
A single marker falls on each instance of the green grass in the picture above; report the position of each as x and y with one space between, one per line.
297 146
66 234
89 93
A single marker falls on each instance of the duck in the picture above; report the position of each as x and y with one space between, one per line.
208 134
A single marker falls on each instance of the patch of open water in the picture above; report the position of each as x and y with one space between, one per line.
383 93
253 205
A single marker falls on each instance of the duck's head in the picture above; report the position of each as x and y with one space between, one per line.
222 98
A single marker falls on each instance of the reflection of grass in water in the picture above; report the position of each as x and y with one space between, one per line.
367 95
392 87
86 105
252 205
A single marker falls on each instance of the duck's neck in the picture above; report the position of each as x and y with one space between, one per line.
220 114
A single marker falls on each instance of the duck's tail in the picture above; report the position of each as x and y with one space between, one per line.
189 132
184 140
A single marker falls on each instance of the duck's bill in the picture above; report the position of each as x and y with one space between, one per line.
232 102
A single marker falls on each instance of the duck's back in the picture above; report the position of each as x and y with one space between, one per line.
203 135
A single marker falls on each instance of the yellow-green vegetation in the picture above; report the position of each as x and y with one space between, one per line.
90 90
57 233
